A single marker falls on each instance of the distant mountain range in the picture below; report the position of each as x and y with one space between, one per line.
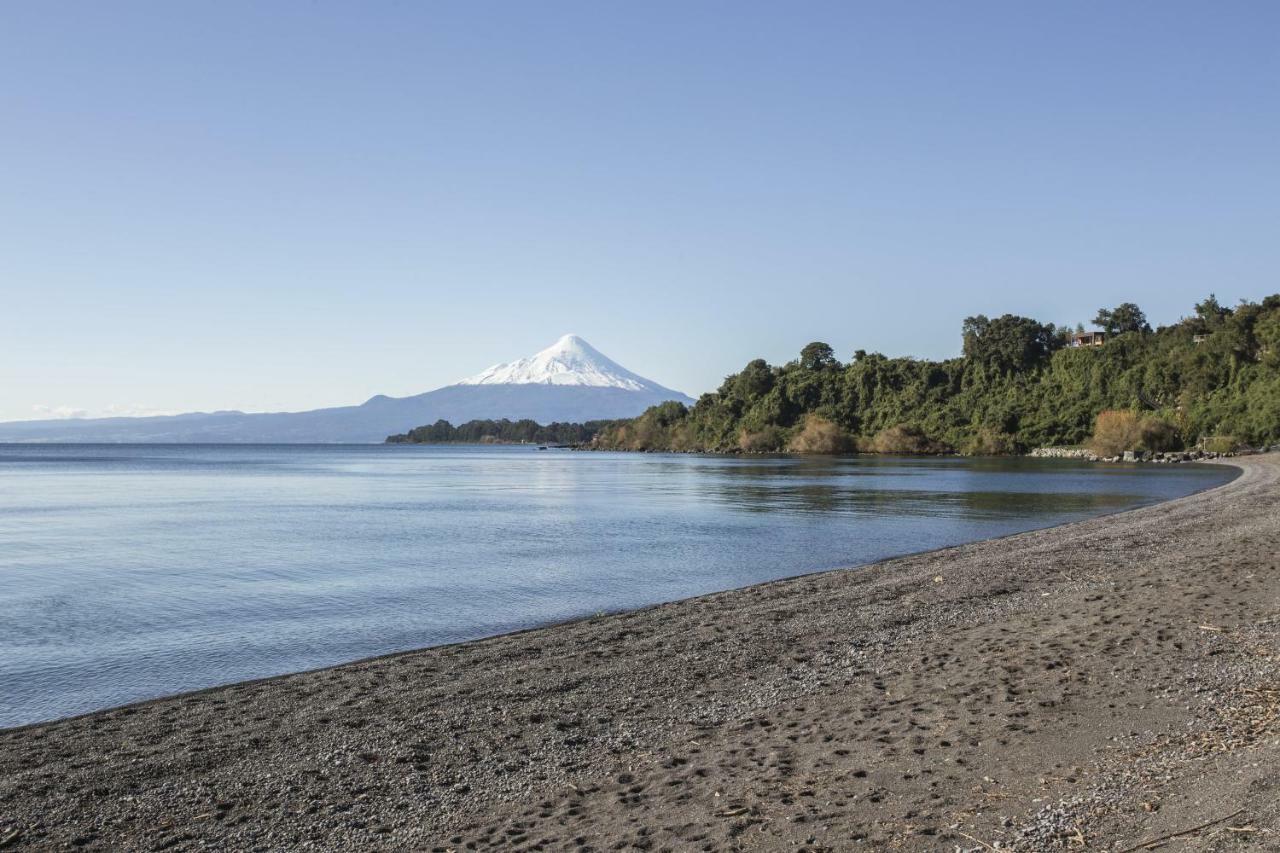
568 381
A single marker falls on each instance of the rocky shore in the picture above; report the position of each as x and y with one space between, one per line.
1102 685
1194 455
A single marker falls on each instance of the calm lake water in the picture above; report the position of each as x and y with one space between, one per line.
129 572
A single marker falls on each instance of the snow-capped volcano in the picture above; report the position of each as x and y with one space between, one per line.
569 381
569 361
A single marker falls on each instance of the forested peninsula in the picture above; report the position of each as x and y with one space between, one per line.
500 432
1212 380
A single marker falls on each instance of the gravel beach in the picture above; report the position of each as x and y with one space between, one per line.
1095 686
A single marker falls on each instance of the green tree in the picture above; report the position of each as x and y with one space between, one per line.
818 356
1267 331
1125 317
755 380
1016 387
1211 314
1009 343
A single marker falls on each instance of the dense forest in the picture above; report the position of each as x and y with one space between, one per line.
499 432
1211 379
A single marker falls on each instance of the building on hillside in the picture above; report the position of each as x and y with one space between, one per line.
1088 339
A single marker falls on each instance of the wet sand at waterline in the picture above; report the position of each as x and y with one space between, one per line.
1103 683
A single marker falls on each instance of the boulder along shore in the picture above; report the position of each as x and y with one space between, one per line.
1099 685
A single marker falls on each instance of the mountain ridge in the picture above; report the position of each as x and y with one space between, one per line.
577 383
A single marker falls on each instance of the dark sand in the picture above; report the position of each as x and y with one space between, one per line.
1090 686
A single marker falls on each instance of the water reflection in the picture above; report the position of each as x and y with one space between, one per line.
981 488
128 572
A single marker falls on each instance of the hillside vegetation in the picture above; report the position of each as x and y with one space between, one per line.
1212 378
499 432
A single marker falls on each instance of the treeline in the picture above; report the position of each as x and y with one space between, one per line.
500 432
1019 384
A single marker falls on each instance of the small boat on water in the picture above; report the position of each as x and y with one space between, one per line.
542 447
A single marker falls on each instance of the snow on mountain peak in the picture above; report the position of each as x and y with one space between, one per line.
569 361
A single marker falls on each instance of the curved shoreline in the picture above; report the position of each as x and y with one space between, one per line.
586 617
912 702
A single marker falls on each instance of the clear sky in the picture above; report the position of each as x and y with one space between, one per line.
279 206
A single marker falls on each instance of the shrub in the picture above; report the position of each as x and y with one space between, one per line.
989 441
1114 432
819 435
905 439
1220 444
682 439
767 440
1158 435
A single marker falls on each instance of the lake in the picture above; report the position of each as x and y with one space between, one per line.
134 571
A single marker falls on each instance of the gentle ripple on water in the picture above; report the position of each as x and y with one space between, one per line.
128 572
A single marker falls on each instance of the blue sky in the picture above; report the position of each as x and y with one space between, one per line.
277 206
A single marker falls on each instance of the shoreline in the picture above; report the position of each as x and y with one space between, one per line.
722 711
588 617
1063 453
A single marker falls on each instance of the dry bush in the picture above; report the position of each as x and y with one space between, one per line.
990 441
1220 444
903 439
647 436
681 439
819 435
612 438
767 440
1114 432
620 437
